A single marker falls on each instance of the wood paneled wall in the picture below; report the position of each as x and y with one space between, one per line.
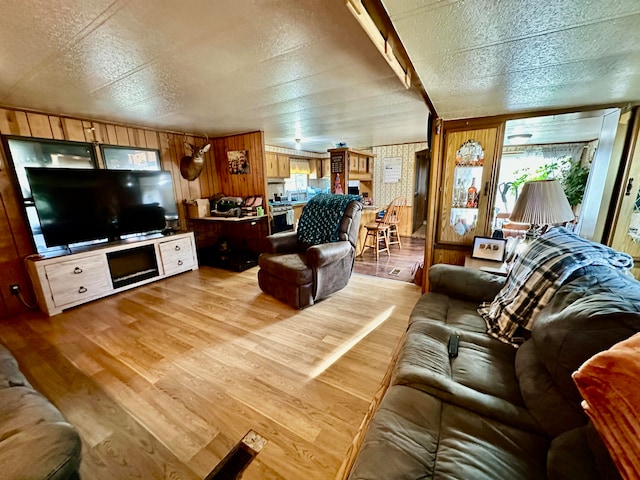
240 185
450 256
15 241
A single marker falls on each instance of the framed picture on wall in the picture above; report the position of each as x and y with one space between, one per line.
127 158
488 248
238 161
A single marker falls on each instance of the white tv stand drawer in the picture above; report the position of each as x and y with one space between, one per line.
177 256
94 272
80 279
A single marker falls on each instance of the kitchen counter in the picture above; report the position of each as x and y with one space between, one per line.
229 242
228 219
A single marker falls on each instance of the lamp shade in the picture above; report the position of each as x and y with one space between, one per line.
542 202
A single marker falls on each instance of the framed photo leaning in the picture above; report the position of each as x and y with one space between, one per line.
488 248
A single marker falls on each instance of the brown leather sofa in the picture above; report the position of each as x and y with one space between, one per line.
300 274
36 442
493 411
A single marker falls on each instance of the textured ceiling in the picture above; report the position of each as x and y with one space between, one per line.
306 69
487 57
290 68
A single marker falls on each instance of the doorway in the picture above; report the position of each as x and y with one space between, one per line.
577 146
423 161
400 263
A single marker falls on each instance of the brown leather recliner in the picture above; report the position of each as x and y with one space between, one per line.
300 274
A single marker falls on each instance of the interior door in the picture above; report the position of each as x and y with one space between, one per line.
423 158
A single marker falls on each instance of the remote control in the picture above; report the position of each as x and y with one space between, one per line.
453 345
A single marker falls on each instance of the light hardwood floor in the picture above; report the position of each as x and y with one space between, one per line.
161 381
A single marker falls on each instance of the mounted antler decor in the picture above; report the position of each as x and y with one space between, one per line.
191 166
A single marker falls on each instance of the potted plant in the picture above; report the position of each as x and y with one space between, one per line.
572 176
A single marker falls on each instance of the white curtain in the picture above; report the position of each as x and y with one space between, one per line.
300 166
554 152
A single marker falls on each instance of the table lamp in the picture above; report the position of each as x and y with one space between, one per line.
542 202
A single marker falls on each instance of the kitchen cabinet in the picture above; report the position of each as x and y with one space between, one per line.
277 165
314 168
272 164
354 163
467 186
284 166
326 168
359 165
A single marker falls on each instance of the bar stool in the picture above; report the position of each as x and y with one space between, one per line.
377 231
392 218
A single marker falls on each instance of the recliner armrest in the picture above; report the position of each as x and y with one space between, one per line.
282 242
327 253
464 283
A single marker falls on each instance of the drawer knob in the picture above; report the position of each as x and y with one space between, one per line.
180 262
77 270
177 248
82 290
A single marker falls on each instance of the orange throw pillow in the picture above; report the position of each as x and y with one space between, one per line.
609 382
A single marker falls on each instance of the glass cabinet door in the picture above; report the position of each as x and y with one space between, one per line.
467 177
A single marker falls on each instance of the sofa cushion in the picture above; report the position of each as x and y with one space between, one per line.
580 454
588 315
288 268
465 283
554 412
10 374
480 378
444 310
29 423
570 457
416 435
46 450
22 407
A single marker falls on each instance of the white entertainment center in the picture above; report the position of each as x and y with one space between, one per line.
66 281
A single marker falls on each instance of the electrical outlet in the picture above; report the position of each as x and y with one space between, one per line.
14 289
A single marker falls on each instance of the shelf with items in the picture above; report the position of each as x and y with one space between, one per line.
466 185
466 192
349 164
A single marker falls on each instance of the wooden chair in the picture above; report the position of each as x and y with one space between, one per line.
394 212
378 231
396 207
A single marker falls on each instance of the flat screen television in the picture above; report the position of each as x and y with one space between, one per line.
78 205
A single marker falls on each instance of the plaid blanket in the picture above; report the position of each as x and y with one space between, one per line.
538 274
320 220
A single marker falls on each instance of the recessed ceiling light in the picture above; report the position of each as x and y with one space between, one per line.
519 138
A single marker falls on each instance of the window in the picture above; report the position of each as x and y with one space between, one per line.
296 185
127 158
32 152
